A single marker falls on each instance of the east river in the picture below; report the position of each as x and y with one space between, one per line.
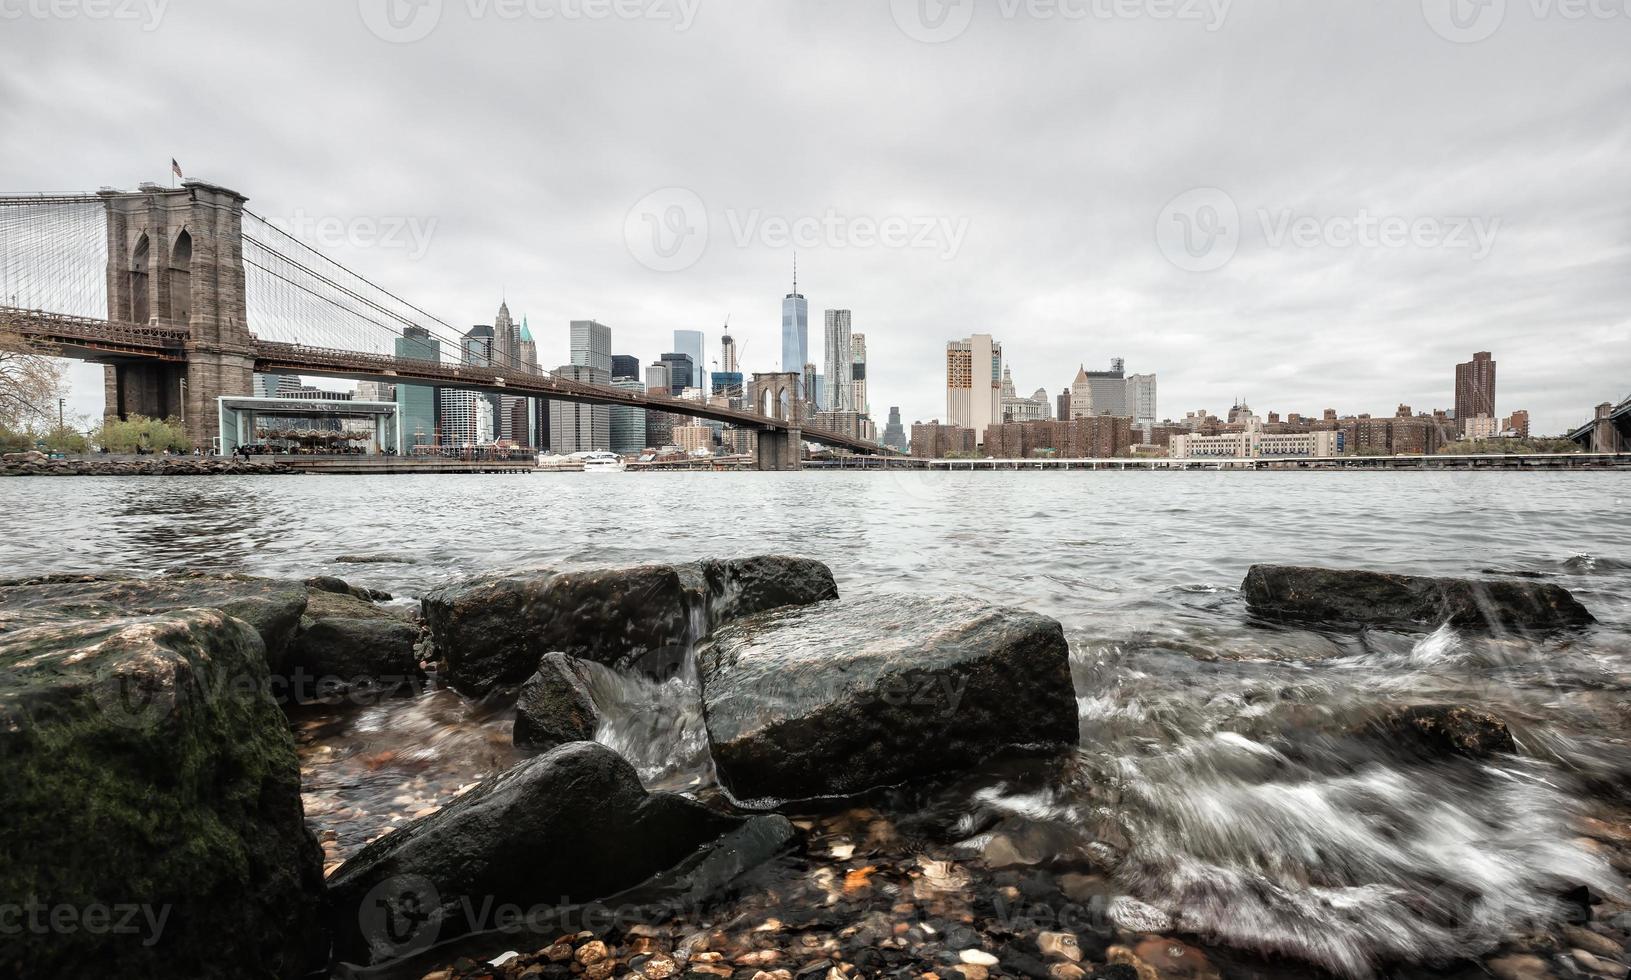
1211 762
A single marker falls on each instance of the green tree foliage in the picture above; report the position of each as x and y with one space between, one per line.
1476 447
139 433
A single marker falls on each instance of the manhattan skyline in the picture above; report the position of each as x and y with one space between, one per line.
1506 147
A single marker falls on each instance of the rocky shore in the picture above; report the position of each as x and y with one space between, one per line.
147 752
39 464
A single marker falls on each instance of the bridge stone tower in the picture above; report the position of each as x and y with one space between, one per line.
175 258
779 395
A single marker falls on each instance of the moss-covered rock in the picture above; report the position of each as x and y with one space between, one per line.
151 787
347 644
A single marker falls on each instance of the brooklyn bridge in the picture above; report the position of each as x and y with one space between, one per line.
184 294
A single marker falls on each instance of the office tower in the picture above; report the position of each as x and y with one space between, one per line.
660 378
795 328
727 354
857 374
625 366
682 372
375 391
466 416
729 385
575 427
836 393
974 383
529 349
628 424
1140 401
417 406
894 435
690 342
1062 406
506 340
810 384
592 346
1475 388
273 385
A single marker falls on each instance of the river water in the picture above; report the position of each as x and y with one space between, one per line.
1217 779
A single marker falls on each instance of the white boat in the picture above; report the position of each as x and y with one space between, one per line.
600 462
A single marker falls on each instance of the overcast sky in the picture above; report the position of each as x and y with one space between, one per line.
1304 204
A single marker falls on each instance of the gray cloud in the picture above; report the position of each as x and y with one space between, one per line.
1058 141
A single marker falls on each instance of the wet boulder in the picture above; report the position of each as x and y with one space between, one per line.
346 644
1436 731
1356 597
493 631
339 586
570 826
555 705
151 782
840 697
271 606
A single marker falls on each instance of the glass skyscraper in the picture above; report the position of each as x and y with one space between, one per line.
795 329
836 393
690 342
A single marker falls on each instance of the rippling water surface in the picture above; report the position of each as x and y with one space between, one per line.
1220 779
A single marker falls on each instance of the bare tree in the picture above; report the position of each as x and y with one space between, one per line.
30 382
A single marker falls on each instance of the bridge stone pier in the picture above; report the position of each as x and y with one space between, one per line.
778 395
175 258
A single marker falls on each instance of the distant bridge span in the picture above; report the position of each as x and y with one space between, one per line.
172 268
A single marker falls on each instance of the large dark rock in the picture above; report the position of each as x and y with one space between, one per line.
148 776
840 697
1345 596
492 632
1436 731
569 826
272 607
346 643
555 705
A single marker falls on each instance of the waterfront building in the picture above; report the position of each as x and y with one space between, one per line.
628 424
844 423
894 435
691 438
418 406
1018 409
1475 387
931 440
625 366
1389 437
1095 437
575 427
689 342
973 384
1480 427
1253 441
375 391
1517 424
273 385
795 328
592 346
835 386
